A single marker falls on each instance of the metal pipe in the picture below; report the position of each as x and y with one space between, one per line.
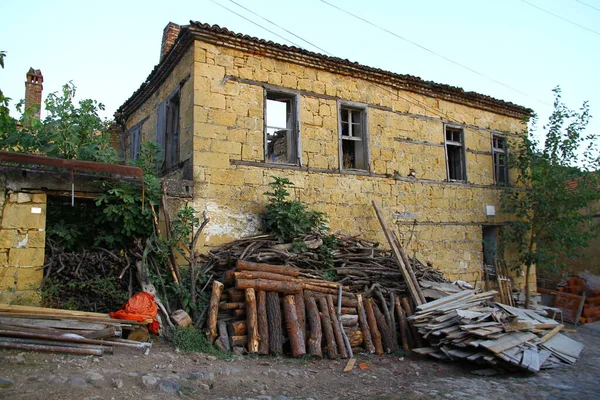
51 349
107 349
59 338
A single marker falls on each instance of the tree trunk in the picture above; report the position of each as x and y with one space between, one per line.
402 324
293 329
413 330
389 345
275 323
330 345
263 324
277 269
337 332
375 334
217 289
314 322
268 286
364 325
252 321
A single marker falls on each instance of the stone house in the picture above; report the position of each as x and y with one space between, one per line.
230 111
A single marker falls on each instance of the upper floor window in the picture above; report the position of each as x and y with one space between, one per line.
281 128
353 138
167 131
135 143
455 153
500 154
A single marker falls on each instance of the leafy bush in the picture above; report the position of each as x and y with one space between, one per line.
288 219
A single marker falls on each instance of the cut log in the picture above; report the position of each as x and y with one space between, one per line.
264 275
239 313
409 268
355 337
223 339
252 321
238 340
231 306
275 323
411 325
237 328
297 346
388 317
364 325
217 289
301 313
228 278
263 324
375 334
349 310
346 301
277 269
268 286
314 323
389 345
337 331
324 290
330 345
350 320
402 324
236 295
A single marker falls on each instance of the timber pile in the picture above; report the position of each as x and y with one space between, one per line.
66 331
468 326
271 309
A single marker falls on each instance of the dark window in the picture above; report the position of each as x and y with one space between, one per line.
172 132
455 154
135 144
500 154
281 129
353 138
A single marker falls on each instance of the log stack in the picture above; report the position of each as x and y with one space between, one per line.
271 309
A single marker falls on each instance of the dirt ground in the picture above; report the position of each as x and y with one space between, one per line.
167 374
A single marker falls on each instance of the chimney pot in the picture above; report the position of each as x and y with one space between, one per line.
33 91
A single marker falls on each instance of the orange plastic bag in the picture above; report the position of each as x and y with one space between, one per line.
140 307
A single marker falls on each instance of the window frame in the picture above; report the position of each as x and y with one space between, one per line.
364 124
295 125
463 152
172 130
500 151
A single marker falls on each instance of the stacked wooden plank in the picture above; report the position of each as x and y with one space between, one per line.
271 309
65 331
468 326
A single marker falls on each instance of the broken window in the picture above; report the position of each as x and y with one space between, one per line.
281 129
455 154
353 138
135 143
500 154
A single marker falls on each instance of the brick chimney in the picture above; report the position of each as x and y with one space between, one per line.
33 91
170 34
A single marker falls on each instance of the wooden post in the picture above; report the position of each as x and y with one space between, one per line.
263 325
252 321
314 323
301 313
337 331
402 324
217 289
409 268
375 334
275 323
386 336
364 325
293 329
413 330
330 345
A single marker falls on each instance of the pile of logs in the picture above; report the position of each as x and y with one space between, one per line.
271 309
468 326
67 331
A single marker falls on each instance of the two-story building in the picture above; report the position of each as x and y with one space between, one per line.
230 111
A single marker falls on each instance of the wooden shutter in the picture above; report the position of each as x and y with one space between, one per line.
161 128
135 143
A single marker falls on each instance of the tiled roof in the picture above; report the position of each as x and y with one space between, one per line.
224 37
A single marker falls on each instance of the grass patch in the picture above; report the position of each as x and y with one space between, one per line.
192 340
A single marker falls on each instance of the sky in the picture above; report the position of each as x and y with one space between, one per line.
514 50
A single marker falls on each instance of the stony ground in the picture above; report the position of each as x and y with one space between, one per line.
166 374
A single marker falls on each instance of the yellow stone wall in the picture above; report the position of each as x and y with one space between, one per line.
406 131
22 239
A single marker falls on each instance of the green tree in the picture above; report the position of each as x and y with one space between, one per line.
557 179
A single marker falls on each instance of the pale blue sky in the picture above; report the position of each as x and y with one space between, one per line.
108 48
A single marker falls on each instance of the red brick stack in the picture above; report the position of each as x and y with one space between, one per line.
591 306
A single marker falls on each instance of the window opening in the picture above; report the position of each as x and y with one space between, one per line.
281 136
500 154
455 155
353 138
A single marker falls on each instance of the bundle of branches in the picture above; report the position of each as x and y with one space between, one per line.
354 262
96 280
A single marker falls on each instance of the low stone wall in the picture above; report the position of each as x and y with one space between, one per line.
22 239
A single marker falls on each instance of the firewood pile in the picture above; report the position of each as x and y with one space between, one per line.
468 326
66 331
